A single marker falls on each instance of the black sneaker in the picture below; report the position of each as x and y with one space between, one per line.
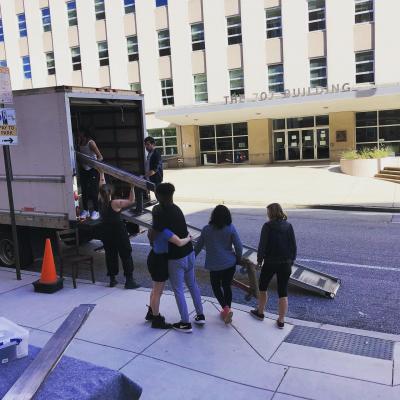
199 319
131 284
158 322
183 327
257 315
280 324
113 281
149 316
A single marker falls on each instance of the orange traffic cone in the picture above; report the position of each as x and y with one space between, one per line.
48 282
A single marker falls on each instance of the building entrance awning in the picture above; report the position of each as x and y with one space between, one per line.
297 103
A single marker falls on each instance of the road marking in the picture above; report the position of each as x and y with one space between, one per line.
342 264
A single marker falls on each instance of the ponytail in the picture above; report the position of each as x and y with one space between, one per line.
105 194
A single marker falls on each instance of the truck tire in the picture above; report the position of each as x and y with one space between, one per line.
7 256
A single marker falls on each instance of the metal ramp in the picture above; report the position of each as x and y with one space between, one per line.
302 276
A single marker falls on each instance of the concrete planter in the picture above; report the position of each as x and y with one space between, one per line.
367 167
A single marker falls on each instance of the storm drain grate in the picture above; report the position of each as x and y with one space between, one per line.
343 342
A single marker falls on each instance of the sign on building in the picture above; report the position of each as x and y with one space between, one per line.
5 86
8 127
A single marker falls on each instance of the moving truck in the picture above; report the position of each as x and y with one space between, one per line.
44 166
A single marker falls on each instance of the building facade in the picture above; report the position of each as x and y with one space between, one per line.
225 81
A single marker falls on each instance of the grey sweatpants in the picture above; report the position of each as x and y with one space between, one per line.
180 271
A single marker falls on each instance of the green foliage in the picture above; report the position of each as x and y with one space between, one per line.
367 153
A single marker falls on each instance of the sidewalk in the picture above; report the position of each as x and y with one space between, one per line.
291 185
247 360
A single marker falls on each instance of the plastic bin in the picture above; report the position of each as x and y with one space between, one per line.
13 333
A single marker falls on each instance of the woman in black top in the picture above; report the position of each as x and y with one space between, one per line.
114 235
277 251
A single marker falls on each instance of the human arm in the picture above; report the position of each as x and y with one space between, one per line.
95 149
154 163
237 244
118 204
176 240
262 244
293 245
102 178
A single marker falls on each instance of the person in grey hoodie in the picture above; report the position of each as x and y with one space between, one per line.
218 237
277 251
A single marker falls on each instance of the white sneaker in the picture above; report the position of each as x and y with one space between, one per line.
84 214
95 215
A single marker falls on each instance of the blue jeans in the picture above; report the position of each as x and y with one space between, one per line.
182 270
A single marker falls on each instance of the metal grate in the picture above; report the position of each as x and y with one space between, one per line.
343 342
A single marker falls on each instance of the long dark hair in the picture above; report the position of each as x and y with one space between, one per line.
220 217
275 212
105 195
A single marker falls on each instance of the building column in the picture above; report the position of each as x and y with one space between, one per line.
190 145
345 122
260 141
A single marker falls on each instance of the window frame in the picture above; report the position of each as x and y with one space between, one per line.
166 98
23 32
138 89
164 50
273 29
27 72
99 10
50 63
198 44
105 59
369 11
76 65
163 137
132 55
71 13
271 85
317 20
1 31
46 19
240 89
129 6
365 62
234 38
199 84
324 78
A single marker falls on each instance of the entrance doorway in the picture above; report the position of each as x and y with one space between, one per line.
301 144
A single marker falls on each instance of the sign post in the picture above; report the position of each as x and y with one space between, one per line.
8 136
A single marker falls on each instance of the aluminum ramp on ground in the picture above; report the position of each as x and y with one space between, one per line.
302 276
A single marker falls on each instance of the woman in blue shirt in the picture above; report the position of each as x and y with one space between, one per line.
218 237
157 262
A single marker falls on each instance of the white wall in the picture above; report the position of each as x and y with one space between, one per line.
148 53
33 16
88 43
215 33
295 43
253 37
117 47
181 51
387 34
340 41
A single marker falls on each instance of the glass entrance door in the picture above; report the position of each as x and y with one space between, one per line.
279 146
293 145
307 144
322 148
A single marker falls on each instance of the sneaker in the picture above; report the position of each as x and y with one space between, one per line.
149 316
183 327
158 322
113 281
94 215
280 324
84 214
257 315
131 284
199 319
227 315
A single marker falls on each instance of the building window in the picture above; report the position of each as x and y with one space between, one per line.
133 51
135 87
103 52
3 63
318 72
365 67
364 11
274 22
164 47
71 10
129 6
26 65
1 31
224 144
234 29
166 140
167 92
198 36
378 129
275 78
46 20
200 88
22 25
51 67
76 58
160 3
236 81
316 15
99 9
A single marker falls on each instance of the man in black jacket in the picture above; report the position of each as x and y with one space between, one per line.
153 170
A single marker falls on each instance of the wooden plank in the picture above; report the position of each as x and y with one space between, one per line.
32 378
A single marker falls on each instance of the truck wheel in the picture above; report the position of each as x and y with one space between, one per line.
6 251
7 255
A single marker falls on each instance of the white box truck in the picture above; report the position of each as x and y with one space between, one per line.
45 171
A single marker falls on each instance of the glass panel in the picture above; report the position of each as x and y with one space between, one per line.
240 129
366 134
315 4
240 142
366 78
366 118
307 138
169 132
389 117
302 122
224 144
206 131
278 124
322 144
223 130
241 156
170 151
208 158
279 146
170 141
321 120
389 133
294 145
225 157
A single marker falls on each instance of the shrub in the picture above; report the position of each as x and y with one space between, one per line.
367 153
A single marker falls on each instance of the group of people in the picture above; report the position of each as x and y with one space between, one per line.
172 255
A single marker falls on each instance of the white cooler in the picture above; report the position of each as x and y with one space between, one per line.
12 335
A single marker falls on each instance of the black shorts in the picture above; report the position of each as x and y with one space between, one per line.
158 266
282 272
